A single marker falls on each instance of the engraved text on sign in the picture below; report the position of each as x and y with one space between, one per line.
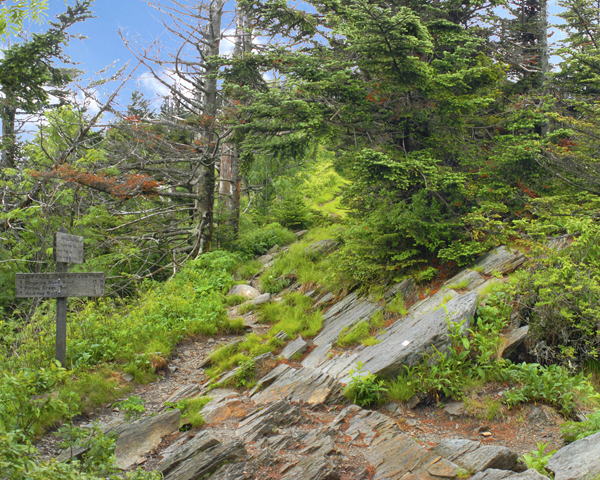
58 285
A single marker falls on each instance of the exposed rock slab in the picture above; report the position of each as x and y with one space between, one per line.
432 303
186 391
495 474
352 310
206 462
474 457
273 375
264 298
500 260
315 467
416 336
244 290
224 409
264 259
580 459
470 278
298 346
264 421
138 438
392 454
305 385
322 247
317 356
492 474
530 474
236 471
201 442
344 314
513 339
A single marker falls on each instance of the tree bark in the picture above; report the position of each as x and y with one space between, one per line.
9 137
206 178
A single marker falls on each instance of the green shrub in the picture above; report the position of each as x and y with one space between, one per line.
573 431
292 212
554 385
405 386
365 388
132 406
538 459
249 269
259 240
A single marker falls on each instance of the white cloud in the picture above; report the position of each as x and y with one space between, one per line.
227 42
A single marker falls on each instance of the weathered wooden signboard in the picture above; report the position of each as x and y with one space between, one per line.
68 248
58 285
61 285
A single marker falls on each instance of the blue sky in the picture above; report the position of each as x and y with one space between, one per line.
137 20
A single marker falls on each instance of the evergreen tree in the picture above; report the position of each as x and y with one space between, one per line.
27 70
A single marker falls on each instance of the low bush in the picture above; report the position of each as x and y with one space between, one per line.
573 431
475 359
405 386
259 240
538 459
365 388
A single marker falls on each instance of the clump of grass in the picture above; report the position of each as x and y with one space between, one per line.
397 305
487 408
459 286
191 410
446 298
233 300
293 317
492 287
272 284
404 387
362 332
235 325
247 307
305 267
223 353
270 313
249 269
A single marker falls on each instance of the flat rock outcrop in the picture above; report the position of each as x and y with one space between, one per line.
264 421
500 260
412 338
495 474
297 347
392 454
579 460
138 438
474 457
305 385
349 312
466 279
320 248
205 462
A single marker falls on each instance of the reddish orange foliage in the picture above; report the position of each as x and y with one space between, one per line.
526 190
124 187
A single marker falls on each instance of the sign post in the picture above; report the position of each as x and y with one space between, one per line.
61 285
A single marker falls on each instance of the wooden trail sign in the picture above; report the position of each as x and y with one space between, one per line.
61 285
